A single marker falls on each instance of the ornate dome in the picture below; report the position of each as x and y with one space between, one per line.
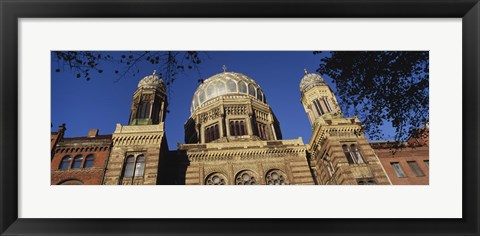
226 83
152 81
310 80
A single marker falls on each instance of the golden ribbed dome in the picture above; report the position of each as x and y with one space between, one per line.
226 83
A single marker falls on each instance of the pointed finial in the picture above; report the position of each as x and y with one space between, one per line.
154 72
306 72
224 68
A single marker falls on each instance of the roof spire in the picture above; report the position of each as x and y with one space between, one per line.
224 68
154 72
306 72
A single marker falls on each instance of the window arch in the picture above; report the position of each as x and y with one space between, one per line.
246 177
242 87
195 102
346 151
201 96
276 177
129 164
89 160
71 182
144 110
65 162
231 86
220 88
259 94
140 166
134 166
356 154
327 104
318 107
77 162
211 91
353 154
251 90
216 179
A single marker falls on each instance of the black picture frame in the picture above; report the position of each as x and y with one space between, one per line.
11 11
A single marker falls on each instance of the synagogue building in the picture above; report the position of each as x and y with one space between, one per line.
233 137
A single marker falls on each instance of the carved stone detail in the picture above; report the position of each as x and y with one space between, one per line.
236 110
210 115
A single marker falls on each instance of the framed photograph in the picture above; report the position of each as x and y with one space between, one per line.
145 103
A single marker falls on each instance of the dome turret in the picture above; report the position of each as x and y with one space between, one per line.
310 80
152 81
226 83
230 107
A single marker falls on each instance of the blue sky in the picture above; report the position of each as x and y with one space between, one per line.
104 101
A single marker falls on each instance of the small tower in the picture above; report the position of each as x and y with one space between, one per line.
149 101
139 148
318 99
339 152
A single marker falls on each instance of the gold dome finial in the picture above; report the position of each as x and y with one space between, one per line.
306 72
224 68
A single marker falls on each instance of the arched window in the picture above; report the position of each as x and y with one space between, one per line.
201 96
245 177
318 107
220 88
65 162
195 102
353 154
242 87
89 161
140 166
328 163
275 177
143 110
327 104
216 179
77 162
259 94
251 90
347 154
211 92
129 164
356 154
231 86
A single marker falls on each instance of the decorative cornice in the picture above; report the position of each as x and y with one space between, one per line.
125 129
236 155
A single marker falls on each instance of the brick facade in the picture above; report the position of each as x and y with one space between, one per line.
87 172
406 157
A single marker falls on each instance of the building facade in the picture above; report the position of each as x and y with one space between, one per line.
80 160
232 137
340 153
407 162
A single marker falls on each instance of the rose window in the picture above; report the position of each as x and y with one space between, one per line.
245 178
216 179
276 177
